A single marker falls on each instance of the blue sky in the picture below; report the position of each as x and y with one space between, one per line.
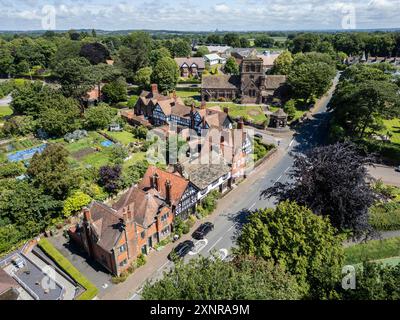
201 15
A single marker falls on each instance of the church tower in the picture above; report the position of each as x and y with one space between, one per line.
252 76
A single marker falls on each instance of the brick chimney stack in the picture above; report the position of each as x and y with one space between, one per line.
240 124
87 216
168 189
154 181
154 89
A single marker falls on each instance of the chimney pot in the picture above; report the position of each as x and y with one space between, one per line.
154 88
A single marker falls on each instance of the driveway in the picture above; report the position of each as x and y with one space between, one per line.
385 173
100 277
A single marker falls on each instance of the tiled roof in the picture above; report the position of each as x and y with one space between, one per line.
221 82
107 224
178 183
203 173
199 61
268 60
274 81
145 206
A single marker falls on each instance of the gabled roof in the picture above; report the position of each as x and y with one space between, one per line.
178 183
268 60
199 61
144 205
221 82
274 81
107 224
212 56
203 172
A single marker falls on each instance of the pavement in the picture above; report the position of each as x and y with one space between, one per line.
387 174
5 101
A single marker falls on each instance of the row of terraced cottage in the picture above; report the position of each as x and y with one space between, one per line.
115 235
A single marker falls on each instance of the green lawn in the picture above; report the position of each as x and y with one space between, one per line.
188 94
5 111
136 157
254 113
298 114
394 127
373 250
124 137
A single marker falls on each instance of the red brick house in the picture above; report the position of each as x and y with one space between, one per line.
116 235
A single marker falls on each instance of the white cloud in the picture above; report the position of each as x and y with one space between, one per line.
200 15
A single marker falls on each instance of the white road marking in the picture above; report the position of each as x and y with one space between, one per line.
231 228
223 253
133 297
198 246
287 169
253 205
291 143
279 178
213 246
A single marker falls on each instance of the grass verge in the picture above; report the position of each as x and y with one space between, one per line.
372 250
90 289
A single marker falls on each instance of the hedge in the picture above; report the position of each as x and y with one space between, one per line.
372 250
90 289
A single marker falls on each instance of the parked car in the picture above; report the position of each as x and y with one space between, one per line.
181 250
203 230
258 136
397 169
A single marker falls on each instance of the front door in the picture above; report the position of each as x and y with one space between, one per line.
150 242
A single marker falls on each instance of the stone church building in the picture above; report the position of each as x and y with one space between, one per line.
251 86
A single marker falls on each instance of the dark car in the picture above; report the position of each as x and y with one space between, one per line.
203 230
397 169
258 136
181 250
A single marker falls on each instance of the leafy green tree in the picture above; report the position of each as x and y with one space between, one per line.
157 54
306 245
66 50
360 107
135 54
375 281
231 66
74 203
98 117
283 63
19 126
264 41
6 60
115 91
26 207
166 74
242 279
95 52
59 118
28 99
232 39
181 48
309 77
134 173
143 77
290 109
202 51
74 77
51 172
